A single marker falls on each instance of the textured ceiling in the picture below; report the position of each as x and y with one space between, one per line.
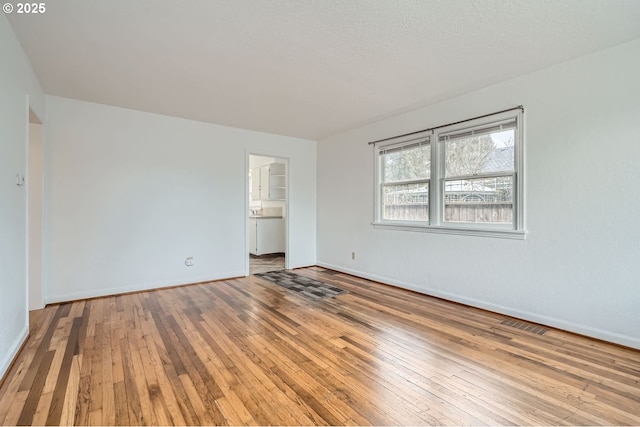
302 67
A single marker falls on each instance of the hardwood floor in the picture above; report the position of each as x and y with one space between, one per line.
246 351
265 263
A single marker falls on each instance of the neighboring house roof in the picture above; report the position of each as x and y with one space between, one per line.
500 159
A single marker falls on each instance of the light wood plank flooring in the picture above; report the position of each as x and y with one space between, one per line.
248 352
265 263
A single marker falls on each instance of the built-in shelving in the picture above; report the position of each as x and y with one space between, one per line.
269 182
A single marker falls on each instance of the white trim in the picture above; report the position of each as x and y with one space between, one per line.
553 322
247 192
14 349
406 182
520 168
480 176
149 286
458 132
376 184
435 189
498 118
463 231
287 204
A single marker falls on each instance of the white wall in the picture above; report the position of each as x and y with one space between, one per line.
257 161
19 89
34 183
129 195
579 267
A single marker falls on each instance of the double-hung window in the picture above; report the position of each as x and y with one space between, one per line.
465 178
405 170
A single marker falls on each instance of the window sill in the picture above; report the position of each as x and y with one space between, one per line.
495 233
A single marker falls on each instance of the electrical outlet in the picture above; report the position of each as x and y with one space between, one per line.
189 261
353 255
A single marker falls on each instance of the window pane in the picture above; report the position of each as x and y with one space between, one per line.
408 202
404 165
482 200
480 154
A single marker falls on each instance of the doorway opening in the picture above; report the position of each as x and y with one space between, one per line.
268 210
34 212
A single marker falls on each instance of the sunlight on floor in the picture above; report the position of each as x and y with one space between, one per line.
265 263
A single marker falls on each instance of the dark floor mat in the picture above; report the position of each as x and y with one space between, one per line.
305 286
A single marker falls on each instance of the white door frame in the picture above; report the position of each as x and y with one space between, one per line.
35 212
287 258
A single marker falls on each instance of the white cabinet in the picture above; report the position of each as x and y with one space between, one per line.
269 182
253 236
255 184
276 181
266 235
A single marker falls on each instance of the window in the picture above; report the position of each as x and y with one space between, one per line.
405 171
474 185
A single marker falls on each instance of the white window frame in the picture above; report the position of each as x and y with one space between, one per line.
380 184
436 223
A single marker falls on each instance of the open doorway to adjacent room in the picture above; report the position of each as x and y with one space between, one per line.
267 216
34 224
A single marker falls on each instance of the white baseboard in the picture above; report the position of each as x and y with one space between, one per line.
509 311
13 351
149 286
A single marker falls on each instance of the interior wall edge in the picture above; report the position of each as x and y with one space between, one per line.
303 266
138 287
20 91
553 322
14 349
